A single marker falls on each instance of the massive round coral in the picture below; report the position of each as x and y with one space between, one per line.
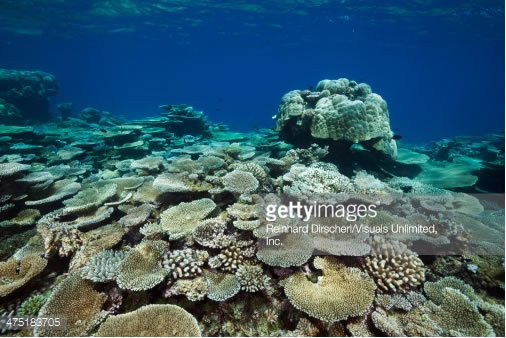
340 111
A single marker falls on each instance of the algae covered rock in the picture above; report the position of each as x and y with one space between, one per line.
340 111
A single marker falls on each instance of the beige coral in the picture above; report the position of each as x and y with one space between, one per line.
14 274
241 182
75 300
222 286
180 220
397 270
151 321
142 269
341 292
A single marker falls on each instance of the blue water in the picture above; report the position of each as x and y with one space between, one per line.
439 64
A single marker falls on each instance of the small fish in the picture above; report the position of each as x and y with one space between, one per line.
310 88
397 137
218 109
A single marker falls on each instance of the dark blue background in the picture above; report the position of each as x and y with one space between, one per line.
441 75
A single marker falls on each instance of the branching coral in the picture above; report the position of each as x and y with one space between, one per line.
103 266
251 277
32 305
233 256
396 269
185 263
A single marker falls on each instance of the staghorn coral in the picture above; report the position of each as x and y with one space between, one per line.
221 286
240 182
151 321
15 274
184 263
341 292
76 300
251 277
141 269
103 266
180 220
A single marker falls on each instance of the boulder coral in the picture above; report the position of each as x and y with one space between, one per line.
339 111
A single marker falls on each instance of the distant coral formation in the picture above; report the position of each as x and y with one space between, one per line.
24 95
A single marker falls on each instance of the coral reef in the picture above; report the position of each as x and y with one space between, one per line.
160 226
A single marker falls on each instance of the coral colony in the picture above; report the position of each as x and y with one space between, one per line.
176 226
